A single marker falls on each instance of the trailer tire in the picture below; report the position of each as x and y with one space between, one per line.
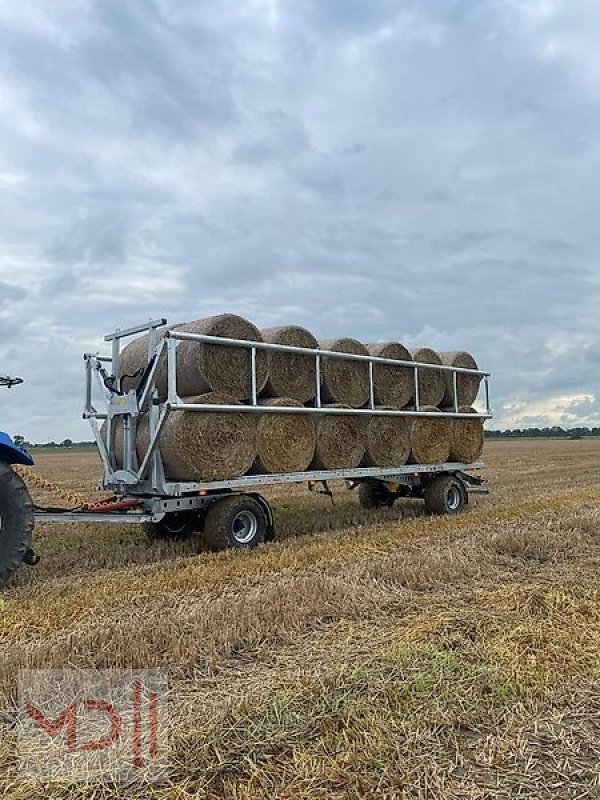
175 525
375 495
238 522
445 494
16 522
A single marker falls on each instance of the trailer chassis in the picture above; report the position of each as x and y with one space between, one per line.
171 508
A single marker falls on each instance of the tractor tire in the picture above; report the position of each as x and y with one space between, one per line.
445 494
375 495
238 521
16 522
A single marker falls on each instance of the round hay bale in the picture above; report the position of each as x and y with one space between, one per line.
286 442
341 440
432 384
388 441
117 439
203 445
290 374
430 439
394 386
344 382
466 437
202 368
467 385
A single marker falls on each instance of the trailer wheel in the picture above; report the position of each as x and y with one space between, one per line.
16 522
375 495
445 495
175 525
238 521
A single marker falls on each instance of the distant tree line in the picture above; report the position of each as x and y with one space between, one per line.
22 442
544 433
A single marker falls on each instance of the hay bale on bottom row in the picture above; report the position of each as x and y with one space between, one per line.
388 440
290 374
202 368
393 386
466 438
285 442
344 381
432 383
341 440
430 439
205 445
467 386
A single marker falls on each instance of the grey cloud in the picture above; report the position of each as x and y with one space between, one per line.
422 171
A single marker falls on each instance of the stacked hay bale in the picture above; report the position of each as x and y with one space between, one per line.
466 437
430 438
467 385
432 382
203 367
341 440
205 445
286 442
290 374
218 445
343 380
388 440
393 386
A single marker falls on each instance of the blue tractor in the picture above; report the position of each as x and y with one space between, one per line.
16 507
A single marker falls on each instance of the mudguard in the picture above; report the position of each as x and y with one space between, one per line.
11 453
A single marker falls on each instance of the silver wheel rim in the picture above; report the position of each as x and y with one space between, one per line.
453 498
244 527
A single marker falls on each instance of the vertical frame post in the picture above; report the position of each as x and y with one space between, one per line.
417 398
371 387
172 395
253 376
318 379
455 389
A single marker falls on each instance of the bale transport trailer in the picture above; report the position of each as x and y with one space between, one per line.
230 513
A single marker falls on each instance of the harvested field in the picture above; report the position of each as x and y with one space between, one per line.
364 654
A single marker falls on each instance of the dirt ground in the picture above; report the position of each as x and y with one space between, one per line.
363 654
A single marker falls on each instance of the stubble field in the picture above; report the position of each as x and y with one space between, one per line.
384 654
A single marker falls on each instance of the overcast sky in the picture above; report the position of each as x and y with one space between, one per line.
387 169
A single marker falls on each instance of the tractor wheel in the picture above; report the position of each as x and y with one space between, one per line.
16 522
445 494
238 521
375 495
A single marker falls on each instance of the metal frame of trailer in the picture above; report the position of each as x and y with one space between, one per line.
160 498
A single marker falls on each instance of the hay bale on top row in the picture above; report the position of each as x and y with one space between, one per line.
290 374
388 441
344 381
286 442
393 386
467 385
432 383
202 367
341 440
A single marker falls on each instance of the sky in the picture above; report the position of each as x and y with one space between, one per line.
420 171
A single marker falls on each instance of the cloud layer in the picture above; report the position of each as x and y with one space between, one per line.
423 171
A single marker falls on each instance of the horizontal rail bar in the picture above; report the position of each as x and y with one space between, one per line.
286 348
387 473
90 516
122 334
342 412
